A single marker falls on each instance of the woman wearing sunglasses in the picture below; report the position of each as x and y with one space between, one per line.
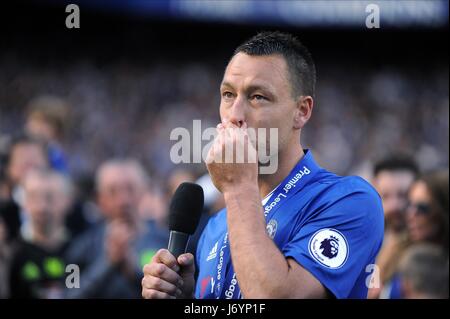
427 213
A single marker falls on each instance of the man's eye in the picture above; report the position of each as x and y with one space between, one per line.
258 97
227 95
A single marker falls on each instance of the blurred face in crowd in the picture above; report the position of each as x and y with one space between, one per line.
421 218
120 188
153 206
393 188
38 127
23 158
177 177
47 199
257 90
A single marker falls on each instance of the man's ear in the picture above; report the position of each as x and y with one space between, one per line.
303 111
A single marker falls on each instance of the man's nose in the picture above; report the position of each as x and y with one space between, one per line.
123 198
237 114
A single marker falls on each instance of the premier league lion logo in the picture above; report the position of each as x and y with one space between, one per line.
330 247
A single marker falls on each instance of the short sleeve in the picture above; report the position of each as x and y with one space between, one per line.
340 241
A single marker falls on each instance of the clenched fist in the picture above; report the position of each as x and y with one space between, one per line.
166 277
232 159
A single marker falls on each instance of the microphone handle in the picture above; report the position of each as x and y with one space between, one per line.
178 242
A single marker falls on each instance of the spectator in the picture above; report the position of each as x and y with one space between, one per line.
24 154
392 178
38 265
177 177
111 254
4 140
424 272
427 217
84 212
4 261
47 120
375 125
427 220
154 206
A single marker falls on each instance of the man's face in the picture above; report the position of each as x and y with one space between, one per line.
119 193
24 158
393 188
257 90
42 198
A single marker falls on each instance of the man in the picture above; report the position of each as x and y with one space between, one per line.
38 266
393 177
24 154
112 253
424 272
300 232
5 253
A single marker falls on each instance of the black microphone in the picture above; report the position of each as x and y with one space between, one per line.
184 214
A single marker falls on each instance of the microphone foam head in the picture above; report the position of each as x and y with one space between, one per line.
186 207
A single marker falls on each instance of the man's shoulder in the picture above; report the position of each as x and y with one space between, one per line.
346 197
336 186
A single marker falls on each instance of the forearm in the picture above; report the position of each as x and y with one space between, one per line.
261 269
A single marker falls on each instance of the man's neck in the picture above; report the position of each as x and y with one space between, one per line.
286 161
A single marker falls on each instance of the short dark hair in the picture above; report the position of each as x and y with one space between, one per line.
425 266
302 71
52 110
397 163
20 139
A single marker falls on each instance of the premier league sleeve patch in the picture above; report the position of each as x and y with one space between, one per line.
329 248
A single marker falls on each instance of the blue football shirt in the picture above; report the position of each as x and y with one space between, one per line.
331 225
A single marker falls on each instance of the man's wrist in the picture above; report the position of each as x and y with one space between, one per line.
245 190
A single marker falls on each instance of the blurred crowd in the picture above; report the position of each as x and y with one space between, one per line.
86 177
413 261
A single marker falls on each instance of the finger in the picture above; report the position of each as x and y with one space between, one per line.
154 294
187 264
210 155
227 147
165 257
226 134
163 272
156 283
218 147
